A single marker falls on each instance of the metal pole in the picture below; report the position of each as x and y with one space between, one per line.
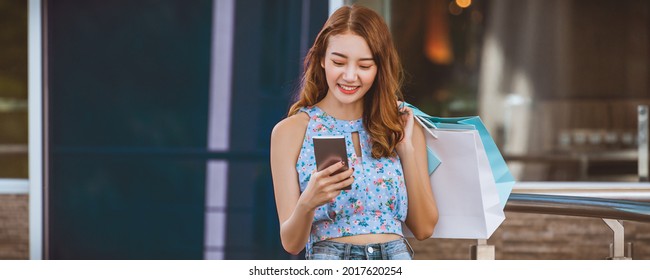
617 248
643 142
482 251
35 96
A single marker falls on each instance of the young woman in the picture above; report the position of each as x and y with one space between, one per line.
351 87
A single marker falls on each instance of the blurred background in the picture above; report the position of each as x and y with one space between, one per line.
157 116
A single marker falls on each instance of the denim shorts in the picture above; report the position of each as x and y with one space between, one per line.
399 249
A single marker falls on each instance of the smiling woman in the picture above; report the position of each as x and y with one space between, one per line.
351 88
349 68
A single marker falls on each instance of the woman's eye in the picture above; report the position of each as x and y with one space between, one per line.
364 66
337 63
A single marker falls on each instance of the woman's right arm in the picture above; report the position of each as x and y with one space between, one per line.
296 210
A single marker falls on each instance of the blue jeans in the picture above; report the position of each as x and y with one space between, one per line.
398 249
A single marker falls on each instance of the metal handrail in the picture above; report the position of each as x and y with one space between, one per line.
611 211
579 206
635 191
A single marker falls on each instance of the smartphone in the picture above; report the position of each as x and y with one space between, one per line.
330 150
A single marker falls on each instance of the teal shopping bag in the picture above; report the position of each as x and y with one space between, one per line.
502 176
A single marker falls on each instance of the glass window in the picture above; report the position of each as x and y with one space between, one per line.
13 89
557 86
13 130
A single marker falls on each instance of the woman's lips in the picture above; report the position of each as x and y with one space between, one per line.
348 89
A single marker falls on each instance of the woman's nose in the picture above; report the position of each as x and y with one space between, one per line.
350 74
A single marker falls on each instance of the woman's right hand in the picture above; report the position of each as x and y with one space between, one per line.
323 187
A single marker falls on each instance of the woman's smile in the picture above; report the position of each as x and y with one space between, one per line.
348 89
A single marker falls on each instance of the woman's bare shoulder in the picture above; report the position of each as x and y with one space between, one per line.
291 128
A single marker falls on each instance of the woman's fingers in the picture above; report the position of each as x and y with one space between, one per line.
342 184
331 169
341 180
342 176
331 185
406 111
407 116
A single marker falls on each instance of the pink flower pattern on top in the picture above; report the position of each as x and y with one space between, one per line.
377 202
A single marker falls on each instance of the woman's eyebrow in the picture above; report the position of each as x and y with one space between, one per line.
345 56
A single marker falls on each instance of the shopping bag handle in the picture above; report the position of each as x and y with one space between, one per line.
417 118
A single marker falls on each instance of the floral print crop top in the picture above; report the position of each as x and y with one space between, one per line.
377 202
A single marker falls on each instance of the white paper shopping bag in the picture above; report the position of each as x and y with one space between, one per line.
463 186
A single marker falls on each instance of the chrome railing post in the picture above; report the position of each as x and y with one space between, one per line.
617 248
643 142
482 251
612 211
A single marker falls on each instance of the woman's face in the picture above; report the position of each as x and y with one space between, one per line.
349 67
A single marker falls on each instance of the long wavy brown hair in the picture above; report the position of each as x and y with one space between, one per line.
380 113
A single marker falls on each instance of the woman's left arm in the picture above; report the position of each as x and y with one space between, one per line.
422 210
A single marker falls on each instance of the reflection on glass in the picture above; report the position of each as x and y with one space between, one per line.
13 89
540 74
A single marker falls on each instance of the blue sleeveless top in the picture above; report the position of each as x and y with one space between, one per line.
377 202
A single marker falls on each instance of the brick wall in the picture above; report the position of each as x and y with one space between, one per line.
14 227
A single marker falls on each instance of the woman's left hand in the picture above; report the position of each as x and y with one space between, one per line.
422 209
406 116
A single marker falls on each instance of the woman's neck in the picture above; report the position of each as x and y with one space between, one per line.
341 111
